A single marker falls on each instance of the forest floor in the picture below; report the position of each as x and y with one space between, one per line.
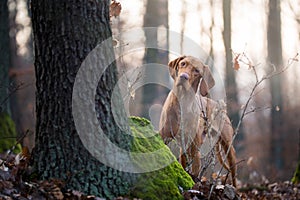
14 172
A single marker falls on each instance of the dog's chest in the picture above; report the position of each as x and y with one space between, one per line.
190 116
194 106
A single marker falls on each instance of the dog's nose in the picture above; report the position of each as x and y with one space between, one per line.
184 76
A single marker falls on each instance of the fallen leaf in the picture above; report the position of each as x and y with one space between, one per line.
214 176
203 179
220 187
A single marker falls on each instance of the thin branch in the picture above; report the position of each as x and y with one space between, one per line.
258 82
14 89
257 109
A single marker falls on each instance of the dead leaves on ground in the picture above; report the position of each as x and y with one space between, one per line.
265 191
277 190
15 184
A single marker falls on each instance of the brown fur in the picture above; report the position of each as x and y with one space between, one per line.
186 112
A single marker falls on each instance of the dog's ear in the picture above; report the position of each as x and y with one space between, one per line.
207 81
173 66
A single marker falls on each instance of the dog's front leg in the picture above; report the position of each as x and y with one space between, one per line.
183 158
194 152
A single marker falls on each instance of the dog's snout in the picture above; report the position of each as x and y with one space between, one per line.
184 76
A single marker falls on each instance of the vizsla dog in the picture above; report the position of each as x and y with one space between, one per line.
188 116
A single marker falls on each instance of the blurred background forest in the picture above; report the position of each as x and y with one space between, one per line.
268 32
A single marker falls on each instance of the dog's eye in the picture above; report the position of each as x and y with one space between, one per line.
197 71
182 64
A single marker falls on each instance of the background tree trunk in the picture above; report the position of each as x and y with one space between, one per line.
275 57
231 86
22 71
8 133
64 34
5 57
156 15
183 23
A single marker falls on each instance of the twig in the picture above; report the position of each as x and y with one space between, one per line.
16 88
131 83
257 109
258 82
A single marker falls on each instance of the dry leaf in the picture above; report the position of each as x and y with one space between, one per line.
220 187
115 8
214 176
236 65
26 153
203 179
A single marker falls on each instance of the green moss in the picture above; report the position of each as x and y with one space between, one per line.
162 183
8 134
140 122
296 177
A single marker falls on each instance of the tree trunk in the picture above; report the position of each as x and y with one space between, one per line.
21 71
5 57
275 57
8 132
231 86
156 15
64 33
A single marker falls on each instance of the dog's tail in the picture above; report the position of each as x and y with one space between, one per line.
220 158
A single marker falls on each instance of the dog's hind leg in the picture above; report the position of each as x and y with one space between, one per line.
231 160
219 156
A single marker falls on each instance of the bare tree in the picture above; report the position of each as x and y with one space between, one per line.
7 126
275 58
21 71
156 15
231 86
212 25
183 22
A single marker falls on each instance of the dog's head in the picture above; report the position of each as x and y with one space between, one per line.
188 72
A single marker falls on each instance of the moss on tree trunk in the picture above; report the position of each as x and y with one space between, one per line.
163 183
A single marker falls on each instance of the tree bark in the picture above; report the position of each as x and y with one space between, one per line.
64 33
156 15
231 86
275 57
5 57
